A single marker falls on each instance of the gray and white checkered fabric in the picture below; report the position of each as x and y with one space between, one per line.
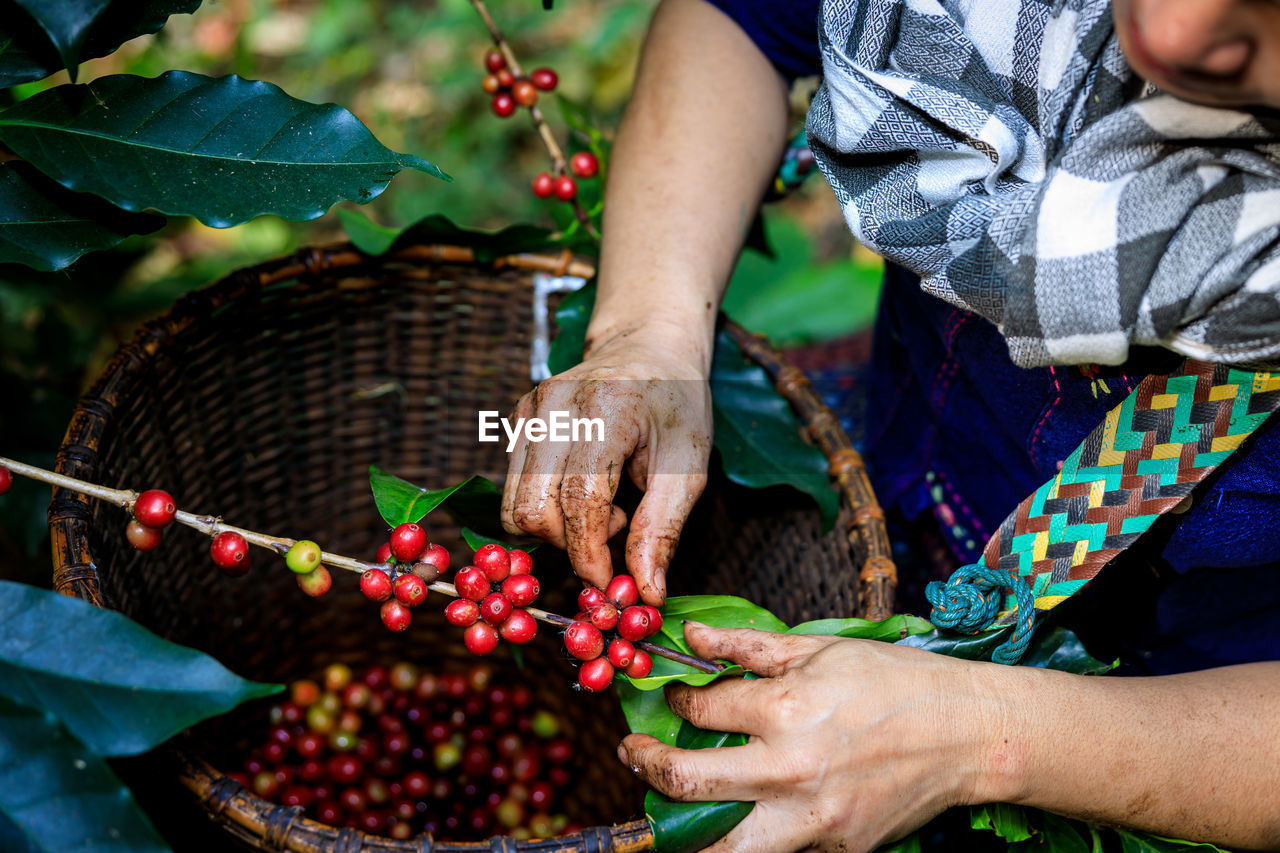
1005 151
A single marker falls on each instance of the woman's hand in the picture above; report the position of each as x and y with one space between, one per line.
853 743
653 398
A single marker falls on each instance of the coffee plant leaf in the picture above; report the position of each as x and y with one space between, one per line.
365 234
400 502
57 795
1052 647
572 317
116 686
910 844
1142 842
223 150
892 629
758 436
46 227
67 24
27 50
1010 822
475 540
487 245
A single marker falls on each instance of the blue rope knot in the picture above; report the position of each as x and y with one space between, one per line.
970 599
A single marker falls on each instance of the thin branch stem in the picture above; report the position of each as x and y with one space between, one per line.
559 163
213 525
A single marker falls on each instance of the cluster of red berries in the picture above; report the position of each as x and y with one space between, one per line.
153 511
604 633
510 91
493 594
412 563
397 752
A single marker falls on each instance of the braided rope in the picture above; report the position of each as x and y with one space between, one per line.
970 600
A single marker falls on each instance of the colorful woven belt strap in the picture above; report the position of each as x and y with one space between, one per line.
1144 459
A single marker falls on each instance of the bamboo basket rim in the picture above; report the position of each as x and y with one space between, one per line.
286 828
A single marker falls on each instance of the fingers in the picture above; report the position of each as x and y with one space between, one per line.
724 773
655 530
515 468
727 705
591 477
762 652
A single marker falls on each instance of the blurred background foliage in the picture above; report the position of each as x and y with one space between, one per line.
411 71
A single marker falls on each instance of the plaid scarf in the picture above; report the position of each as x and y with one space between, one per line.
1005 152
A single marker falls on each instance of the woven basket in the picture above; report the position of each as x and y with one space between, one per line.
266 396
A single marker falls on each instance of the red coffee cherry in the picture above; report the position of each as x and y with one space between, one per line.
494 61
495 608
409 590
6 480
590 598
655 618
395 615
481 638
583 640
544 78
566 188
490 84
315 583
462 612
375 584
493 561
604 616
437 556
543 186
641 666
505 78
621 653
521 562
519 627
384 553
622 591
633 624
230 553
408 542
471 583
154 508
584 164
144 538
521 589
595 675
525 93
503 105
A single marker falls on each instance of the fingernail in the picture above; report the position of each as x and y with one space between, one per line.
660 580
622 754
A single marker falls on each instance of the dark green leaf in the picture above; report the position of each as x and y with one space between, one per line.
758 435
67 24
1053 647
890 630
47 227
685 827
475 540
1007 821
117 687
400 501
487 245
56 795
365 234
27 54
572 318
222 150
1055 835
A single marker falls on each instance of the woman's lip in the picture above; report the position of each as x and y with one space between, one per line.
1142 52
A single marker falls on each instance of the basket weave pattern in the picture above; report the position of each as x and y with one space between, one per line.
266 396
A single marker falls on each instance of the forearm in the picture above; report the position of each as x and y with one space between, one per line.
1192 756
700 141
